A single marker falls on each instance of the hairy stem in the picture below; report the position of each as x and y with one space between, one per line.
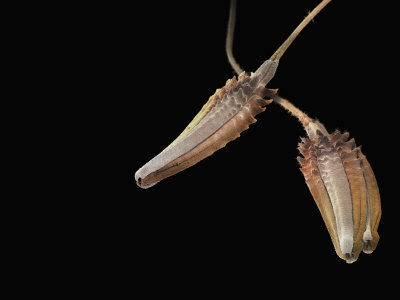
296 112
278 54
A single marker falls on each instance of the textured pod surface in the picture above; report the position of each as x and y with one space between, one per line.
229 112
345 190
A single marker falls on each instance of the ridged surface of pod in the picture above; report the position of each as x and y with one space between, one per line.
226 114
345 190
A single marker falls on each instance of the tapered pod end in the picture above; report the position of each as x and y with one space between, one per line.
229 112
345 190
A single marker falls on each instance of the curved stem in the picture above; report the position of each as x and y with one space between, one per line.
229 38
278 54
296 112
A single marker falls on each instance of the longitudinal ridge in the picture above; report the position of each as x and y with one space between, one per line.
248 90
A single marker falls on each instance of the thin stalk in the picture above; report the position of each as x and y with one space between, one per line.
296 112
229 38
278 54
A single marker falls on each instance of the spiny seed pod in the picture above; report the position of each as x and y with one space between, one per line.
229 112
224 117
342 184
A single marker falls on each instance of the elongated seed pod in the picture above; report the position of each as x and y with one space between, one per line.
229 112
342 184
223 118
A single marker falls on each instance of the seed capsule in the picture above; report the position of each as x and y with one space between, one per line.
344 188
342 184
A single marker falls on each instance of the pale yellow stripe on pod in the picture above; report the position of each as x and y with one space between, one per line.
227 133
212 101
374 202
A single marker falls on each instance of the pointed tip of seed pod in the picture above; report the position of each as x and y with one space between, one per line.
368 248
350 258
139 175
139 183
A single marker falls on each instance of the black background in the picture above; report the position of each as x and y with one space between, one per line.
246 207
